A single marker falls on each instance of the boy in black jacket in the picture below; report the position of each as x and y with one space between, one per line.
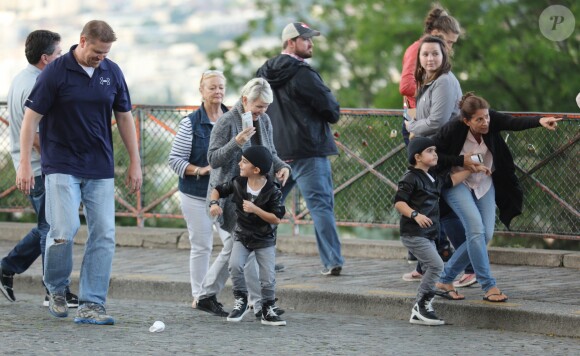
417 199
258 210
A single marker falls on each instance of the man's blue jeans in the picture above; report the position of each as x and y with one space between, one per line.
32 245
64 193
478 218
314 179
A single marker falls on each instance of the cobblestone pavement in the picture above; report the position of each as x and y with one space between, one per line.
26 328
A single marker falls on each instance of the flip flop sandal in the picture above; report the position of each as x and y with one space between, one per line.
486 298
466 280
447 294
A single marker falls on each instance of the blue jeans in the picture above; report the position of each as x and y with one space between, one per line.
478 219
452 227
314 179
266 258
64 193
32 245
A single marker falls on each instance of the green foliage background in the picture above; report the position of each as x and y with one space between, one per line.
502 54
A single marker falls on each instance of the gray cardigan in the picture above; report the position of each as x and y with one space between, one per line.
224 154
438 104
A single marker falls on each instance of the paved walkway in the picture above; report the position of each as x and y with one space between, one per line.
542 299
26 328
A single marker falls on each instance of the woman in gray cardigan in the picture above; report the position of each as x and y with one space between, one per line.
228 139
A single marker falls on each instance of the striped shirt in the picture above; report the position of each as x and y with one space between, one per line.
181 148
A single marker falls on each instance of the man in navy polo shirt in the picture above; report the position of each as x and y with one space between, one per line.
75 97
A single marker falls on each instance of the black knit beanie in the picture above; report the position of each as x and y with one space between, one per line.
260 157
417 145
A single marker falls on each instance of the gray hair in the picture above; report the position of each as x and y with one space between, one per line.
258 88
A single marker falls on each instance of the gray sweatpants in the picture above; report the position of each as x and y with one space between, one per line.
432 264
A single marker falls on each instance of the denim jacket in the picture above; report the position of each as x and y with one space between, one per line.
201 128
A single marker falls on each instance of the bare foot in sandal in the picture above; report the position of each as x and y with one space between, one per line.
494 295
447 291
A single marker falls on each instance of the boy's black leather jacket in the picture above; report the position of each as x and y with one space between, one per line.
422 195
250 229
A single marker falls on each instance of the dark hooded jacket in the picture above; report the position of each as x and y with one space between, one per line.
302 111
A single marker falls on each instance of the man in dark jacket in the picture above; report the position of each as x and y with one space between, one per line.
301 114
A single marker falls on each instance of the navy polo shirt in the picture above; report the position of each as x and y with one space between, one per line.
75 131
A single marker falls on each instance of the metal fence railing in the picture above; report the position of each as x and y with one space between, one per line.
372 159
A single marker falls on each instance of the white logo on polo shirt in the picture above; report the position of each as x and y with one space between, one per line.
105 80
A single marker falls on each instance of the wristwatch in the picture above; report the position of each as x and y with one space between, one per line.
413 214
214 202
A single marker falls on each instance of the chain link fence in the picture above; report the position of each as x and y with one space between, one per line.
372 159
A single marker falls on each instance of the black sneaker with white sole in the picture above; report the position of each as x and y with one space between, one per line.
424 314
334 271
277 309
212 306
241 307
6 283
270 315
72 301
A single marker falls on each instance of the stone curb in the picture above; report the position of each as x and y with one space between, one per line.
178 238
